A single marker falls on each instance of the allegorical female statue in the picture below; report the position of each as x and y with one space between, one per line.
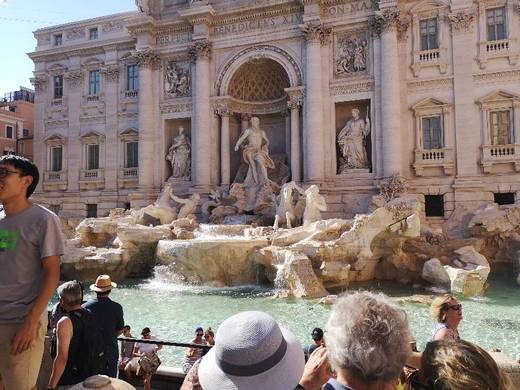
351 140
179 156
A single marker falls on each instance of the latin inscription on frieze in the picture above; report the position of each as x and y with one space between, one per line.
350 8
258 24
172 39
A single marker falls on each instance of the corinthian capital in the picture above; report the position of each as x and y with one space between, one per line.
315 32
295 95
39 82
462 22
199 49
74 78
147 58
385 20
221 108
111 73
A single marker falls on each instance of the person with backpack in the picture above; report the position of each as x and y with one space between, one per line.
109 315
80 349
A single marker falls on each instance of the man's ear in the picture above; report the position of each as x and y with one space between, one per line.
27 180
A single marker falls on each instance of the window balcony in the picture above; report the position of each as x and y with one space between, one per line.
503 48
92 98
495 155
128 177
131 94
431 159
55 180
429 58
91 178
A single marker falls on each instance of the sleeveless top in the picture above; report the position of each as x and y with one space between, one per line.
69 376
451 335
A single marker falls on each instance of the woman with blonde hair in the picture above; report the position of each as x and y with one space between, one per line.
459 365
447 312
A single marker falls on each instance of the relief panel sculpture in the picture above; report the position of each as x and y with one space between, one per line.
351 54
177 79
354 141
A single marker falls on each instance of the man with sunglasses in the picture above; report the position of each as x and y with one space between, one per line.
30 248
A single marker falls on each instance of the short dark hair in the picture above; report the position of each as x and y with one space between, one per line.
126 327
317 334
27 168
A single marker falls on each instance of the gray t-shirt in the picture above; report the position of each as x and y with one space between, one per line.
25 239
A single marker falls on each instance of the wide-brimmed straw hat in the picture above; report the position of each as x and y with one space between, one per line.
252 352
103 284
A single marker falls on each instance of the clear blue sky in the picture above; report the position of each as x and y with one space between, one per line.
19 18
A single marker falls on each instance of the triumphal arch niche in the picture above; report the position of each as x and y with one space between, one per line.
263 82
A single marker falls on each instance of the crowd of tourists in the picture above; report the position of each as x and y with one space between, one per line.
366 345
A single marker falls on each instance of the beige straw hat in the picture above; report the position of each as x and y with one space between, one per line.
103 284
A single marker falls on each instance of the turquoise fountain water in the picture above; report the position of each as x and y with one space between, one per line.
173 311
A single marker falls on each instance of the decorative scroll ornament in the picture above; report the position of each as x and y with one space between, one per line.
199 49
147 58
221 108
462 22
111 73
40 83
177 79
352 54
74 78
316 32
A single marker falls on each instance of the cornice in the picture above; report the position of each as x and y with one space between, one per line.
198 15
235 17
124 16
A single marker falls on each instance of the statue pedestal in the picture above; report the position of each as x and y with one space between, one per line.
355 172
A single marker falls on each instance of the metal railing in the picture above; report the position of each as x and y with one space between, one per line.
167 343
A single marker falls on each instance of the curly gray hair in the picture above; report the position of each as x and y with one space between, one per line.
368 337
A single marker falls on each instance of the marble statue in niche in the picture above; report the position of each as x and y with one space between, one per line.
179 156
314 205
352 55
255 153
177 80
352 143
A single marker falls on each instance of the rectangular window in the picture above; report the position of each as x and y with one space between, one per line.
56 158
432 132
93 156
93 83
91 210
132 78
132 154
496 24
434 205
58 40
500 131
428 30
504 198
93 33
9 132
58 87
26 133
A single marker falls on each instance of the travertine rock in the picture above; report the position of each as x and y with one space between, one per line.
434 272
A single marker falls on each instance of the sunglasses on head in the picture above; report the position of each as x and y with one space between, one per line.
456 307
4 172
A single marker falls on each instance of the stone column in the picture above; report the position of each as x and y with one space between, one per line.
225 153
74 83
111 78
313 126
294 104
148 61
40 83
200 52
386 24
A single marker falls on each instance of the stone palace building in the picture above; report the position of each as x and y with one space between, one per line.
349 92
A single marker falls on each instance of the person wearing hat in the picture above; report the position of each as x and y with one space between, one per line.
317 337
109 315
252 352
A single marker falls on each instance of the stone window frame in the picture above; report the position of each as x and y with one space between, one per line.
95 36
52 141
433 158
12 131
436 57
92 138
125 61
499 100
57 39
128 135
89 65
57 69
506 48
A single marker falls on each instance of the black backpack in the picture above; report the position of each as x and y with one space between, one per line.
92 358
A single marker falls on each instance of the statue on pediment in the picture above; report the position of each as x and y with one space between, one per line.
143 6
351 140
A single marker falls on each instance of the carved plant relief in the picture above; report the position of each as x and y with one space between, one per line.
177 79
352 54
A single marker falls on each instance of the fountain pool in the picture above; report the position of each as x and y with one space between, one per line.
173 311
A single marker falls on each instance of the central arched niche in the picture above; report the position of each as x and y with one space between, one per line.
259 87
